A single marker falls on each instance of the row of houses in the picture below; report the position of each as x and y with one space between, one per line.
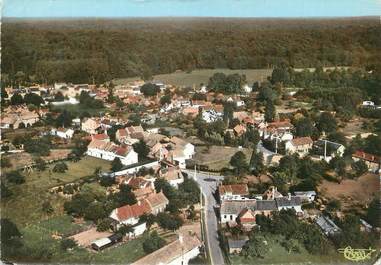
239 208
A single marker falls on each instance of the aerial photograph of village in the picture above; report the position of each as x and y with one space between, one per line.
176 132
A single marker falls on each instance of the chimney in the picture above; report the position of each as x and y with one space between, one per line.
139 203
181 239
289 196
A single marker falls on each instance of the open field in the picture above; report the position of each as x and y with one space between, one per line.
352 191
19 160
278 255
196 77
36 234
24 205
217 157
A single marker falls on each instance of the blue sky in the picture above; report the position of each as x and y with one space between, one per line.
190 8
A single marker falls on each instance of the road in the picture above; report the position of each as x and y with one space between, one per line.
267 154
211 222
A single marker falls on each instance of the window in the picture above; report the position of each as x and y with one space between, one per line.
231 217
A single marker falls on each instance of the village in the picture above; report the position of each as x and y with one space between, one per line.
172 169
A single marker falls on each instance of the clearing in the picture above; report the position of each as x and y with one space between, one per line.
279 255
30 195
196 77
217 157
350 192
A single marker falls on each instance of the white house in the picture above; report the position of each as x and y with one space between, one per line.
233 192
62 133
247 88
129 214
109 151
301 146
211 116
178 252
181 151
306 195
173 175
368 103
90 126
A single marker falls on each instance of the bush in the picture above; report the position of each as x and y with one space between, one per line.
104 225
68 243
15 177
60 167
153 242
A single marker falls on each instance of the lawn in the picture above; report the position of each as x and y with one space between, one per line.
218 157
279 255
78 109
38 238
196 77
25 204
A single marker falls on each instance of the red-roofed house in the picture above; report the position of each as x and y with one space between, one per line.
372 161
100 137
233 192
109 151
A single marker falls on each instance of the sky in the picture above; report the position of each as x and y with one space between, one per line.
190 8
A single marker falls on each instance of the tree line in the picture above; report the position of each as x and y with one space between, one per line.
97 51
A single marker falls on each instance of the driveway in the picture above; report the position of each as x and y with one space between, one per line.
208 187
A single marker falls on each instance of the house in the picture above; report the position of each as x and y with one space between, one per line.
308 196
372 161
157 202
138 183
159 151
327 149
289 203
368 103
18 116
143 193
231 210
178 252
62 133
109 151
90 126
301 146
100 137
328 227
239 130
236 245
276 127
233 192
211 115
129 214
181 151
172 175
271 193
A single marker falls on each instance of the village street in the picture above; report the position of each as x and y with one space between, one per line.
208 184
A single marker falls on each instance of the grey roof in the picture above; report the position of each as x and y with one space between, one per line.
235 207
266 205
237 243
327 225
288 202
305 193
329 143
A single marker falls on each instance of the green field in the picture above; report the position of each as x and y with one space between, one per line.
196 77
38 240
218 157
78 109
279 255
24 205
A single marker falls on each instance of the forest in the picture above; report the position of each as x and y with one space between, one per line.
95 51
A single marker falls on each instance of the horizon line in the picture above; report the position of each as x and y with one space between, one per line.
199 17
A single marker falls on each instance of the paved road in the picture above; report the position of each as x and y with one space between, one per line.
267 154
211 223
